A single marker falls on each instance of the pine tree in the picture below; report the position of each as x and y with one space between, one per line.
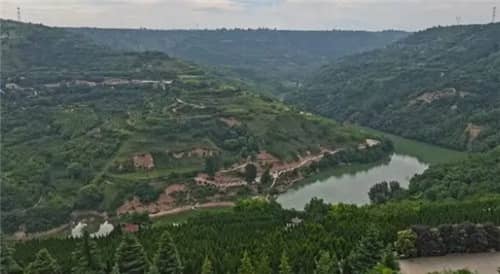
43 264
207 267
285 267
115 269
7 263
167 259
326 264
130 256
153 270
263 266
246 266
86 257
366 254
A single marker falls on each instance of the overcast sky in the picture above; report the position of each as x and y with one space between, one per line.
282 14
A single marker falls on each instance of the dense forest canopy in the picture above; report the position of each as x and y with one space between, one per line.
277 59
356 238
88 128
440 85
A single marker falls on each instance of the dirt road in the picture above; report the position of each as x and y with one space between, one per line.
190 207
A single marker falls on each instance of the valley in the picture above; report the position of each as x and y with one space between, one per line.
143 151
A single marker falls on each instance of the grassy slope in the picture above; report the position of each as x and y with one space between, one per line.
61 147
380 89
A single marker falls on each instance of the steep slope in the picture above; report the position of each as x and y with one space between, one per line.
441 86
270 58
85 128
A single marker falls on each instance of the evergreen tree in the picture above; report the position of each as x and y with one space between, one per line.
167 259
263 266
153 270
207 266
285 267
115 269
246 266
43 264
326 264
366 254
86 257
389 260
130 256
7 263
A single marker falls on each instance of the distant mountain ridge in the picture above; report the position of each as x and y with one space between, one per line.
441 85
277 58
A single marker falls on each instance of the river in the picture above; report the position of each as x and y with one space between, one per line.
351 184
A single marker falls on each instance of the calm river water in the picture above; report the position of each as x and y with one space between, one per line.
351 184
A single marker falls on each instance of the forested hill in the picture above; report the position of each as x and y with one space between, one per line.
276 58
441 85
88 128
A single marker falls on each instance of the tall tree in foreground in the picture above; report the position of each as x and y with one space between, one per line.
7 263
130 256
367 253
43 264
167 259
86 257
246 266
263 266
285 267
206 268
326 264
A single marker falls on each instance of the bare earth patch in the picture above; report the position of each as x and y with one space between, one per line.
483 263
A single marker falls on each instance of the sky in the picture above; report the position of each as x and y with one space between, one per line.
408 15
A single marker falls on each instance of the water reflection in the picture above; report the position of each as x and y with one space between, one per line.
351 185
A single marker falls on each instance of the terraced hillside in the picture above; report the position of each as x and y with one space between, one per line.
88 128
441 85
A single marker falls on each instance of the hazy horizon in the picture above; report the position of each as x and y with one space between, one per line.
370 15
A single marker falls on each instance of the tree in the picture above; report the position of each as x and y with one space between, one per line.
317 209
285 267
130 256
263 266
7 263
211 165
206 268
366 254
379 193
86 257
250 173
167 259
246 266
405 244
43 264
389 260
266 177
326 264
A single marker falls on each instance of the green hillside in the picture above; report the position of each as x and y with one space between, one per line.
274 59
87 128
440 86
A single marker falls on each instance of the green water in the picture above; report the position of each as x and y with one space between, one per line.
351 184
